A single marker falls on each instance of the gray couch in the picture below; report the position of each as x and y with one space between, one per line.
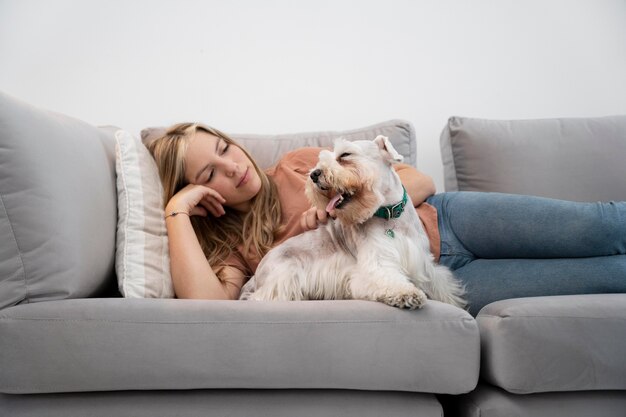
71 346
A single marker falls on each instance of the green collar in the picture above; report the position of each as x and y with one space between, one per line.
393 211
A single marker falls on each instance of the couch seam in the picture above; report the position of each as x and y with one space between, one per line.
70 389
550 317
17 246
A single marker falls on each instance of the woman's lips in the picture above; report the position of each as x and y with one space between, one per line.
244 178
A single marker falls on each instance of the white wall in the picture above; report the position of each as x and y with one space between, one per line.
282 66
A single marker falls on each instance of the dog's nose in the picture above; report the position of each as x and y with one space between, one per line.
315 175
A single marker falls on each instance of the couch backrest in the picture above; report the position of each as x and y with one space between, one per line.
267 149
573 159
57 205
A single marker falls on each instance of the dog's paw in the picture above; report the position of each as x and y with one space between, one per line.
411 299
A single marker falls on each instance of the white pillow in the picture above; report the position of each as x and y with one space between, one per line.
142 259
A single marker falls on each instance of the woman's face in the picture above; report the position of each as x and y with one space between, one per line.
224 167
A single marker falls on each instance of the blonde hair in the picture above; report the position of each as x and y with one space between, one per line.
219 237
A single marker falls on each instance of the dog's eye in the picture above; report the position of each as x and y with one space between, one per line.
343 155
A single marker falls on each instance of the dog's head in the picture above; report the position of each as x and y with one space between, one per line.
349 182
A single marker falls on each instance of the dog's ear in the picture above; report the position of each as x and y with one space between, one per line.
387 149
338 141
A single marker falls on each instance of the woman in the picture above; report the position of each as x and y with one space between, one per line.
223 214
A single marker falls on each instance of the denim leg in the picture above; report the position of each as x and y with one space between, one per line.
496 226
507 246
453 254
489 280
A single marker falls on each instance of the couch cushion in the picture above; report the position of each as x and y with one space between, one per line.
142 344
267 149
225 403
489 401
559 343
57 205
572 159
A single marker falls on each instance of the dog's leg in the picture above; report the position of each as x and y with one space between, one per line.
386 286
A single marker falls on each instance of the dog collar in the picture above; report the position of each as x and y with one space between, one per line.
393 211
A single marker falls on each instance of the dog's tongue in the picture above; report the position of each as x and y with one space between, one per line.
332 203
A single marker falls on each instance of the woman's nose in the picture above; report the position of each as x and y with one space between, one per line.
230 168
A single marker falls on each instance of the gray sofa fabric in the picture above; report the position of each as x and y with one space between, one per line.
268 149
579 159
146 344
57 205
490 401
559 343
231 403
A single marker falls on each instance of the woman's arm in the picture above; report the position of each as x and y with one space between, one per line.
419 186
192 274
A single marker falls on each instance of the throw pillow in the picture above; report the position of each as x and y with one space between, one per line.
142 257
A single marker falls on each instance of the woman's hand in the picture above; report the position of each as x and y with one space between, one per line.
312 218
197 200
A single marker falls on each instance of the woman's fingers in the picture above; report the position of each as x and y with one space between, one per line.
213 202
322 216
198 211
213 207
217 196
198 200
312 218
305 220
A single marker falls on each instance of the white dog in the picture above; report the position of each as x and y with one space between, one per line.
375 249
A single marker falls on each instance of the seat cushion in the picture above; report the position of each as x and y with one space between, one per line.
489 401
57 205
559 343
231 403
145 344
572 159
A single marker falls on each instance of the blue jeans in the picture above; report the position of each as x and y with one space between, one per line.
507 246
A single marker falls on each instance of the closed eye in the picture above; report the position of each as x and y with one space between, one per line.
222 152
345 154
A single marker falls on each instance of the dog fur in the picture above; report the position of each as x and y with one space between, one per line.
353 256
